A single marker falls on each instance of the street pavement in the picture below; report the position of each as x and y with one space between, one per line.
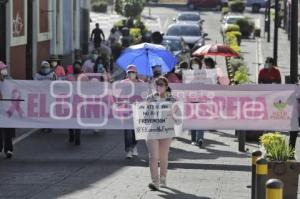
46 166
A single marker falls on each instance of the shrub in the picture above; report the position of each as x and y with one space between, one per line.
119 24
236 63
99 7
225 11
238 36
139 24
232 27
237 6
246 27
276 147
241 76
136 34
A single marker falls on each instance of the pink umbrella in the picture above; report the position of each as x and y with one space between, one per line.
216 50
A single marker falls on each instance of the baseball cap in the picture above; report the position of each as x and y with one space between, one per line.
131 68
45 64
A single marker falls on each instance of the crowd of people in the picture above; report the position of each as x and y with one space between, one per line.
102 61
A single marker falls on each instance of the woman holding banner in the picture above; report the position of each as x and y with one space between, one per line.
159 148
6 134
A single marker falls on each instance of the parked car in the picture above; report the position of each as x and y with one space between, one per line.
190 33
178 47
189 17
229 20
193 4
256 5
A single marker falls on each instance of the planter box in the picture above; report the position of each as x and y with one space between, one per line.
288 173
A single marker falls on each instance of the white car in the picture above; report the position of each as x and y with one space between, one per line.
189 17
230 20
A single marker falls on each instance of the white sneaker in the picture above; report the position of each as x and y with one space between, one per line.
163 181
129 155
135 152
194 143
154 186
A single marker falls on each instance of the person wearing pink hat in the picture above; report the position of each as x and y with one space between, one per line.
6 134
129 136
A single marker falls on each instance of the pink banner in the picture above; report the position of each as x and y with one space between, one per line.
94 105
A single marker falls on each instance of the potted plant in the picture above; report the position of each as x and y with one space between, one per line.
280 162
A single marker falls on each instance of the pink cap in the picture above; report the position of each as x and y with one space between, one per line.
131 68
2 65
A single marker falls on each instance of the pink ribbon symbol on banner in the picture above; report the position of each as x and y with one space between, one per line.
15 105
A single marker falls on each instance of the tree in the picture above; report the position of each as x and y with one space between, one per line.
129 8
119 7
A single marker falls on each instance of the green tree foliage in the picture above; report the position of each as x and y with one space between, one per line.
129 8
119 7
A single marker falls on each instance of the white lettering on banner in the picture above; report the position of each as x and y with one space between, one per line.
251 107
204 76
154 120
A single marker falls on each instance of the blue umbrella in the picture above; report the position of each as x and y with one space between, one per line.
144 56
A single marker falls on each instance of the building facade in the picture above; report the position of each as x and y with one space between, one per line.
32 30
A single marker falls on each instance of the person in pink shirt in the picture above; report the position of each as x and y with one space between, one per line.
59 70
129 136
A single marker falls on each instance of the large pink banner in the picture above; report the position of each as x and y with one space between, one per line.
95 105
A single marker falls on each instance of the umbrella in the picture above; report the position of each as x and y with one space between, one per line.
144 56
216 50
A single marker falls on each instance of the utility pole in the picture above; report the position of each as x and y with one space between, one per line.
269 21
294 57
276 24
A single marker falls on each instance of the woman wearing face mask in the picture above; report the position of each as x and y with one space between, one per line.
269 74
45 72
159 149
6 134
56 67
89 64
129 136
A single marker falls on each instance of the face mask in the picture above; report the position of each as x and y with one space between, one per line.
132 76
267 65
54 64
4 72
45 70
100 68
94 57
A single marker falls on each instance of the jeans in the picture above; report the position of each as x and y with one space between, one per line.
129 139
158 151
197 135
74 136
6 136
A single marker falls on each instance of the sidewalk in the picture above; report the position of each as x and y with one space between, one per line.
284 51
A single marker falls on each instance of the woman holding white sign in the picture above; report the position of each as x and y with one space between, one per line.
159 148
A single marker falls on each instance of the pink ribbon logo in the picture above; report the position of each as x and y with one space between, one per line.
15 104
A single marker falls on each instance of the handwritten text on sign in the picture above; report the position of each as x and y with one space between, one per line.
153 120
208 76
